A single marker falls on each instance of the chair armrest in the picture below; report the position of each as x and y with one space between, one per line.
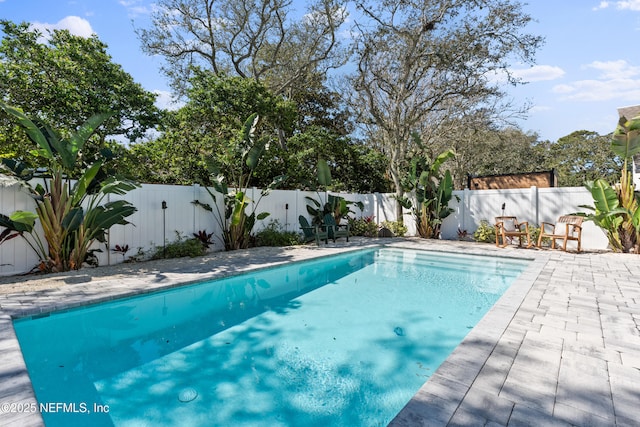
542 226
575 227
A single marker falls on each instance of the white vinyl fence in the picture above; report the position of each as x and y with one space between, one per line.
535 205
153 225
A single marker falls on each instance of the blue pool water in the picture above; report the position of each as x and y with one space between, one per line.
340 341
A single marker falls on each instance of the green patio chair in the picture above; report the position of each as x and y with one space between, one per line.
313 232
336 230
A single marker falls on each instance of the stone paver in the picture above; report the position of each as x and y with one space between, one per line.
560 348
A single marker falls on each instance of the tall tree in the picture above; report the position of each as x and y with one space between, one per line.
420 63
208 126
488 151
583 156
247 38
64 80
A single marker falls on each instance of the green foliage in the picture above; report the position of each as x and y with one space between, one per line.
274 235
364 226
397 227
179 248
236 224
72 217
582 156
485 233
209 130
617 208
66 81
432 192
337 206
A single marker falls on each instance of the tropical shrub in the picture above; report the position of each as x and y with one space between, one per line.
364 226
233 219
205 238
485 233
432 191
74 216
396 227
274 235
617 208
181 247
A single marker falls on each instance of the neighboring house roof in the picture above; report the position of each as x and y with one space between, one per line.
629 112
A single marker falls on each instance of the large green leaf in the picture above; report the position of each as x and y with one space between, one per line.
82 135
249 128
19 221
102 218
626 138
33 132
118 187
324 173
604 196
254 154
442 157
241 201
73 219
84 182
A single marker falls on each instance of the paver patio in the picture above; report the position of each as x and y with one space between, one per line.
561 346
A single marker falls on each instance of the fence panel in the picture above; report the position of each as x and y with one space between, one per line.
15 255
554 202
154 225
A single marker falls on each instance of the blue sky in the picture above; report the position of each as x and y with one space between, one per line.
588 66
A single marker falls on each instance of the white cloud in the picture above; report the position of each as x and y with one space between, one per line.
616 80
614 69
628 5
633 5
135 8
602 5
622 90
539 73
76 26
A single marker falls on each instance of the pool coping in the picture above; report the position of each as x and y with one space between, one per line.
452 394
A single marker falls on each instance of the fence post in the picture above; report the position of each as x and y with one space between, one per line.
535 204
463 207
194 207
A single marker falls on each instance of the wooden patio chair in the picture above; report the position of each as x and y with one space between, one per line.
336 230
568 227
508 228
313 232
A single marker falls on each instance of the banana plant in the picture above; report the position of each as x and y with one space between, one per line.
234 221
432 191
616 208
68 227
337 206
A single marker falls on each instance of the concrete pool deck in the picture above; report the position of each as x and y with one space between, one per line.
561 347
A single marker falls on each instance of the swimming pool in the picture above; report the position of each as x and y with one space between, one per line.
345 340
